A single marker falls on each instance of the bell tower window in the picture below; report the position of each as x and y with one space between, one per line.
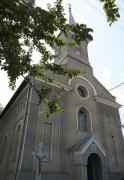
78 50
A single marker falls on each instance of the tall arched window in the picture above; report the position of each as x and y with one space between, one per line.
82 120
16 143
3 148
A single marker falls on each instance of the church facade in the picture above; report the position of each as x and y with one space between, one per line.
83 142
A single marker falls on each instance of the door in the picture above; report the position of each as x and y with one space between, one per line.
94 167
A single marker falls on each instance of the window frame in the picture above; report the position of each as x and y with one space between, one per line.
88 118
3 148
15 148
83 86
49 158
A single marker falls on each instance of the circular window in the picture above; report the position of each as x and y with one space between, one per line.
82 91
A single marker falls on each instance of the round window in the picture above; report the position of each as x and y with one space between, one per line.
82 91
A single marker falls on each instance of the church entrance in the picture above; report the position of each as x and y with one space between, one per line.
94 167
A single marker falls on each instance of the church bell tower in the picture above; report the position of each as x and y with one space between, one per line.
73 56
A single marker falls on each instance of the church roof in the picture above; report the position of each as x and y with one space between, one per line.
13 98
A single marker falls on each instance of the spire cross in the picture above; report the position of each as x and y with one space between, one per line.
71 19
69 7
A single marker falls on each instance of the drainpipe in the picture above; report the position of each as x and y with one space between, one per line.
24 130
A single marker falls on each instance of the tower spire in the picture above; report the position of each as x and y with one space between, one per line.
71 18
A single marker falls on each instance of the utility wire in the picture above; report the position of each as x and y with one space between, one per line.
96 9
116 86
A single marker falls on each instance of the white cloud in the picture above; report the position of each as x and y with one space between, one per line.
122 75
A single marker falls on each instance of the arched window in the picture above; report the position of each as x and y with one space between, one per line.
16 143
3 148
47 139
82 119
78 49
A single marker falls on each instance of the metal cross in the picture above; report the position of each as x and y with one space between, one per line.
39 154
69 7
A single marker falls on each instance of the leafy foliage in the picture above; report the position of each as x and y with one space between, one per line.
25 28
52 106
111 10
1 109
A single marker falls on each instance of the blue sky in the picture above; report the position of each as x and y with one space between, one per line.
106 51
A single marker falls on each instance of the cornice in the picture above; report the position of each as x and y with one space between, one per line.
58 84
62 85
107 102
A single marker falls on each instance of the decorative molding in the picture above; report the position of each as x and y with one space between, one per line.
91 85
84 98
93 147
62 85
58 84
89 127
90 142
107 102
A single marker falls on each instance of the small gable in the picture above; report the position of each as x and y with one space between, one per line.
91 142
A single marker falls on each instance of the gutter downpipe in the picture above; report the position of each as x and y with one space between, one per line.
24 131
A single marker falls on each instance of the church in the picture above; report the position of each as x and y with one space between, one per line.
83 142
